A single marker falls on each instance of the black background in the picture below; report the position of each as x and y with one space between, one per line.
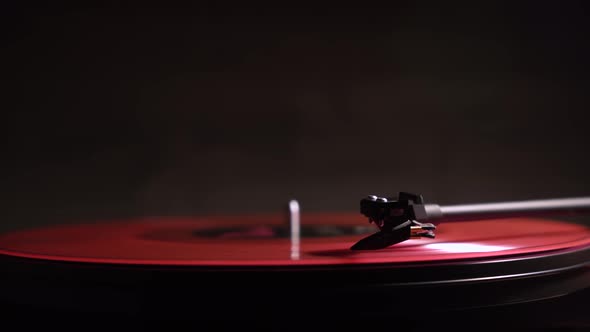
116 112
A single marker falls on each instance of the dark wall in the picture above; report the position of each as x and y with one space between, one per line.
116 112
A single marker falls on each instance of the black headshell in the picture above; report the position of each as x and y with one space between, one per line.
388 213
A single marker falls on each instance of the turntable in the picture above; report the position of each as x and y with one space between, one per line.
415 266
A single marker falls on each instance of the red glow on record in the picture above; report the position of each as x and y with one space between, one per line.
180 241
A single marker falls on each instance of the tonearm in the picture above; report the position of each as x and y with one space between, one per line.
407 216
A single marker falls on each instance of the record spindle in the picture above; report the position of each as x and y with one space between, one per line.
295 228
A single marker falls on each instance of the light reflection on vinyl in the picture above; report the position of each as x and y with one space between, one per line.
465 247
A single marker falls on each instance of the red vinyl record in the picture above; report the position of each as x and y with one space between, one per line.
263 241
234 269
